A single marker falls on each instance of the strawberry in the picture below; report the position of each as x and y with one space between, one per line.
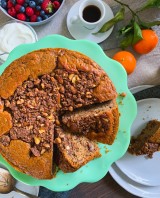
9 4
12 12
29 11
21 2
47 6
21 16
56 4
17 7
33 18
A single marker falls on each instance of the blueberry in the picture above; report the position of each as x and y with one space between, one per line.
28 19
45 17
13 1
4 4
39 1
22 9
32 4
38 7
27 1
25 5
39 19
42 13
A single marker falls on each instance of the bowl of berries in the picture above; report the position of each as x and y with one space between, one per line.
33 12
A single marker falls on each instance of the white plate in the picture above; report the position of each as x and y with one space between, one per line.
140 88
139 168
34 190
132 186
79 32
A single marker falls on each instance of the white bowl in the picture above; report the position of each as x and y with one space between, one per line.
34 23
13 21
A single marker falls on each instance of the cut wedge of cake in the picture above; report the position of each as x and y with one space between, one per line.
73 151
98 122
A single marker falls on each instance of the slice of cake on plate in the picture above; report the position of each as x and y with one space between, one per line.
148 141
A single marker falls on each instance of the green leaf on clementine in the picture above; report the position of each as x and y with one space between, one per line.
137 36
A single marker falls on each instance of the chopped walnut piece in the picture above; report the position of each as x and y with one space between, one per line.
37 140
58 140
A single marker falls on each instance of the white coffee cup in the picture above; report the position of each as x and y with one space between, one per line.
85 4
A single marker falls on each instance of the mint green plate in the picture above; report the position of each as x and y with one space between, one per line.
96 169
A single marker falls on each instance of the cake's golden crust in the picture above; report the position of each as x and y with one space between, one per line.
33 64
5 122
18 155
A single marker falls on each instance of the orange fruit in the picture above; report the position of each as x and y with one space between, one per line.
127 60
148 43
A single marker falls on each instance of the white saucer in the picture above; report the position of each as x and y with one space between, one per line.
33 190
139 168
132 186
79 32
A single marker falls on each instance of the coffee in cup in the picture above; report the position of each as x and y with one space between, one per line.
90 14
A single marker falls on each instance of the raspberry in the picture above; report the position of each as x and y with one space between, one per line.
29 11
21 2
37 12
9 4
17 7
56 4
21 16
33 18
12 12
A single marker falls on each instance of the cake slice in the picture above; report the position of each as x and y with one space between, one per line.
148 141
98 122
72 151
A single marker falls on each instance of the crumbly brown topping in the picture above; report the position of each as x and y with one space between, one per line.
33 107
76 89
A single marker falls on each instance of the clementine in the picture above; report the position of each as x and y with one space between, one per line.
127 60
148 43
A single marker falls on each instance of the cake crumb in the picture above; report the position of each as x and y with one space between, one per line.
123 94
106 151
120 103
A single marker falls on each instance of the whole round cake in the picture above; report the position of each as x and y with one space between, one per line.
55 105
